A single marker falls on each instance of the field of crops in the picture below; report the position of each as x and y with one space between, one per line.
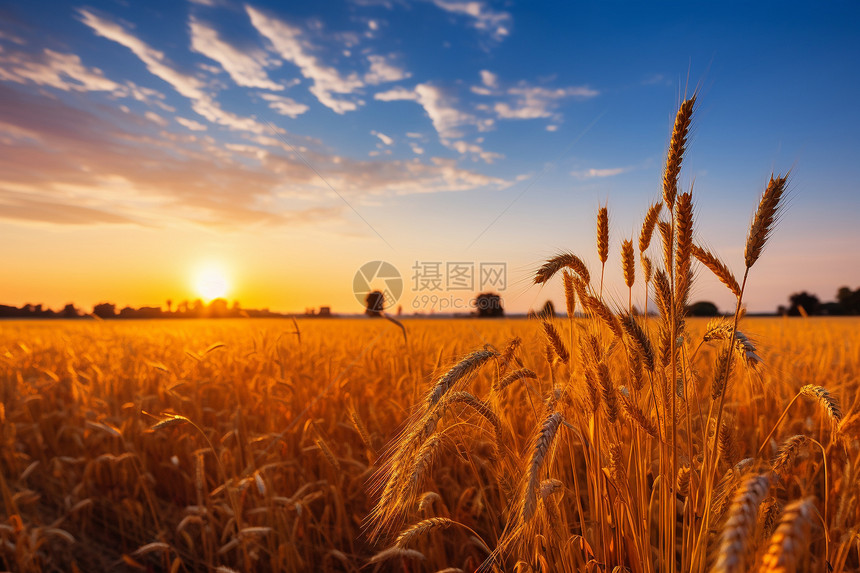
252 446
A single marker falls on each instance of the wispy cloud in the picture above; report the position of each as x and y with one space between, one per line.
190 124
289 43
382 137
485 19
489 79
397 94
383 71
440 108
60 71
155 118
533 102
447 118
475 150
245 66
599 173
158 65
284 105
198 180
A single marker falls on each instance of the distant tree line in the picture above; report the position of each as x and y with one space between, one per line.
700 308
218 308
805 304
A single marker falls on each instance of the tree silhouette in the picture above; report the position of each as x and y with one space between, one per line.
489 305
105 310
374 303
849 300
808 302
69 311
703 308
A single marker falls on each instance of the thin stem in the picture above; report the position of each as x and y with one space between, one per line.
776 425
711 462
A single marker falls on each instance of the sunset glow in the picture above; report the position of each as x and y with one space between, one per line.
210 282
305 139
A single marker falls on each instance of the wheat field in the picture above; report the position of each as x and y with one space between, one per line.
607 439
292 429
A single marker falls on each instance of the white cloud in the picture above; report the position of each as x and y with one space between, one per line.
497 24
288 42
416 149
445 117
248 150
397 94
537 102
552 128
157 64
148 96
246 67
155 118
598 173
381 71
285 105
382 137
489 79
474 149
190 124
61 71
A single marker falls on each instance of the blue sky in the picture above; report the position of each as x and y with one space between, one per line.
288 143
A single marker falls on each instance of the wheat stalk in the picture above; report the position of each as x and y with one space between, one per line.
738 529
764 220
603 234
421 528
719 268
628 264
569 294
648 226
683 245
784 459
610 402
462 369
790 537
540 451
521 374
640 340
676 151
559 262
827 401
634 413
555 341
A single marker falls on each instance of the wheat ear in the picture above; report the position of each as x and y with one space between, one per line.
739 528
462 369
559 262
676 151
764 220
790 537
648 226
719 268
540 451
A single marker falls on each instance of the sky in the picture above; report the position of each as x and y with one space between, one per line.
280 146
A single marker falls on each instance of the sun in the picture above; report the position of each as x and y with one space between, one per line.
210 282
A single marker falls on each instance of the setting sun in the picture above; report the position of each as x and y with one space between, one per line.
210 283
